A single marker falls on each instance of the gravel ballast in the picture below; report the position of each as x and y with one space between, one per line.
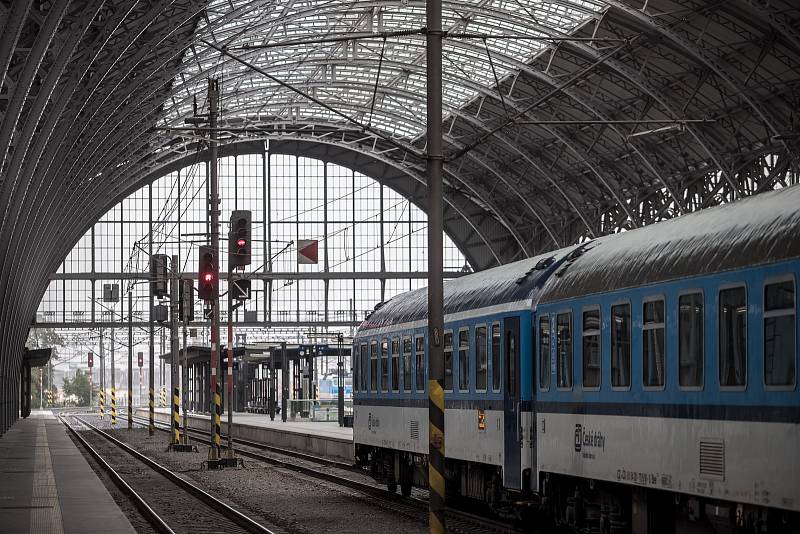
288 501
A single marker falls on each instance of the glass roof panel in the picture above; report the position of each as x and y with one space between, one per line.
304 43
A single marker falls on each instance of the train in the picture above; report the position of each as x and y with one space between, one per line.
639 382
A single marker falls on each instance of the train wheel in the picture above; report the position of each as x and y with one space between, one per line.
392 486
405 489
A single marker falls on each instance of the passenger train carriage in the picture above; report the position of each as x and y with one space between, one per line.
638 382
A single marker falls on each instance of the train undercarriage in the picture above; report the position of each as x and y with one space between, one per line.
576 505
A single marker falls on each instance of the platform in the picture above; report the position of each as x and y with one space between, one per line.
322 438
48 487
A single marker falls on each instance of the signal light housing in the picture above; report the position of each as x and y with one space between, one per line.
208 286
239 250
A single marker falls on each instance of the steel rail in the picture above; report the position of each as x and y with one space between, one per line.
461 522
264 446
228 511
155 520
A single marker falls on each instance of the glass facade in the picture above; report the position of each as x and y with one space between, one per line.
372 246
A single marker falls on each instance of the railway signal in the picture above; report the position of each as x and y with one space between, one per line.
239 246
208 277
158 274
186 302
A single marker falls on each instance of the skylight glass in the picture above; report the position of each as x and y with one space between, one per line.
343 74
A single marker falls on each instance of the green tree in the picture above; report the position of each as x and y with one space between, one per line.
39 338
77 389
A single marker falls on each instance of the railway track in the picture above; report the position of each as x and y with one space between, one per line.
342 474
173 505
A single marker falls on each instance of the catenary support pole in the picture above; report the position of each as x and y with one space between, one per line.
436 431
213 208
113 381
174 348
229 373
273 383
284 381
151 428
102 378
130 360
340 379
185 375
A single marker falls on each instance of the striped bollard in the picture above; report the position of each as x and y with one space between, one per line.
102 403
176 417
113 406
217 417
152 425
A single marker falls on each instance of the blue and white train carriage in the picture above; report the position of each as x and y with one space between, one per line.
644 378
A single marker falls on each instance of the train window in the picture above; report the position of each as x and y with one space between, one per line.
496 357
511 348
690 340
395 364
591 348
481 363
373 367
384 365
448 361
653 343
356 368
733 337
564 350
420 363
779 334
463 359
364 366
621 346
544 352
406 364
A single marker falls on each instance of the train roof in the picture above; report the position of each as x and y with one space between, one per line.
514 284
757 230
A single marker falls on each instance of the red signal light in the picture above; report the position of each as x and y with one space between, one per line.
241 242
208 277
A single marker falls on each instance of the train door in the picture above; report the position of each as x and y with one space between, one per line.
511 404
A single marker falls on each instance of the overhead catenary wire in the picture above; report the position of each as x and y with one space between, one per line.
378 133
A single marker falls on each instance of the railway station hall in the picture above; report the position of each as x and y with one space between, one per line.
399 266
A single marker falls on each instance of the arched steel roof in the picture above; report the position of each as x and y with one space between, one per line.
542 152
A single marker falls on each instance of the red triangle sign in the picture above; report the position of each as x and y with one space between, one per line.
307 251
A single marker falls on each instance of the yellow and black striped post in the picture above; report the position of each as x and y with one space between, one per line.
50 397
113 405
436 481
162 401
176 416
217 418
152 427
102 403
